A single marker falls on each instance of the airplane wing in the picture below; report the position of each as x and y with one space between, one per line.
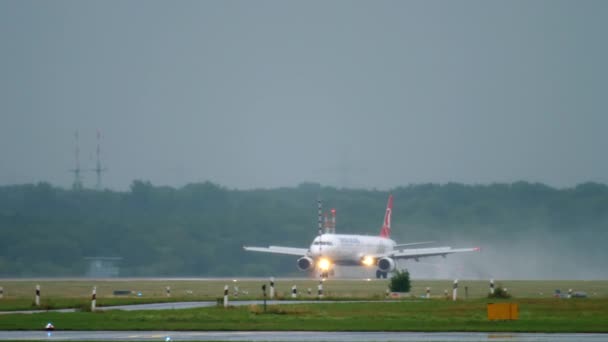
416 253
278 250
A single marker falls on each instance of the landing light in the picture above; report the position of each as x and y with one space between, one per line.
367 261
324 264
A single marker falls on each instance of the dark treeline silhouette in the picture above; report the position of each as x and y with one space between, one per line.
198 229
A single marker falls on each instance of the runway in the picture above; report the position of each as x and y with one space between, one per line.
296 336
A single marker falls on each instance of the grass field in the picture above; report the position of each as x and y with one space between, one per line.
536 315
539 312
19 294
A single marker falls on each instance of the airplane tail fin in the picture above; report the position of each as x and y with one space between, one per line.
386 226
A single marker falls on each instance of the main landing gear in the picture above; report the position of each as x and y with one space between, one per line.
326 274
380 274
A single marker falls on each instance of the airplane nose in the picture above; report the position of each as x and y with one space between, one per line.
318 250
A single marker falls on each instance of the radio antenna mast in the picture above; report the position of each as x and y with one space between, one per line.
77 184
98 168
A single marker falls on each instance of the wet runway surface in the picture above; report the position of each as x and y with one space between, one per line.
296 336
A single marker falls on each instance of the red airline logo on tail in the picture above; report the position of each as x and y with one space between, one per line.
386 226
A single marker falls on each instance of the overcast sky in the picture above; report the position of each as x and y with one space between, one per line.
253 94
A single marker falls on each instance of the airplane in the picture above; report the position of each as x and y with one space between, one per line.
329 249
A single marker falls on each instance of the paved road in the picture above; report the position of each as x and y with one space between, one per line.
190 305
292 336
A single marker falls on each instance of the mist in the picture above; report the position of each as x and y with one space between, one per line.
267 94
533 259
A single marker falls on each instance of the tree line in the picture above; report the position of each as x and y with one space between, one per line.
199 229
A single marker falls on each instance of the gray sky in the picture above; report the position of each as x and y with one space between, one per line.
273 93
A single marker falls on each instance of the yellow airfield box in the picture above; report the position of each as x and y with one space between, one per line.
503 311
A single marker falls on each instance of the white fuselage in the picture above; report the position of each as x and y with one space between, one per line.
347 249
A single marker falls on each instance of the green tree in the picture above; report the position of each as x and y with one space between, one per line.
400 281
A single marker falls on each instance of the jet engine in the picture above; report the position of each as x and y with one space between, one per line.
305 263
386 264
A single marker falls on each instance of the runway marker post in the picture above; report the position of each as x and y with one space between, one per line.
491 286
320 289
37 295
225 296
455 290
94 298
264 292
271 287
